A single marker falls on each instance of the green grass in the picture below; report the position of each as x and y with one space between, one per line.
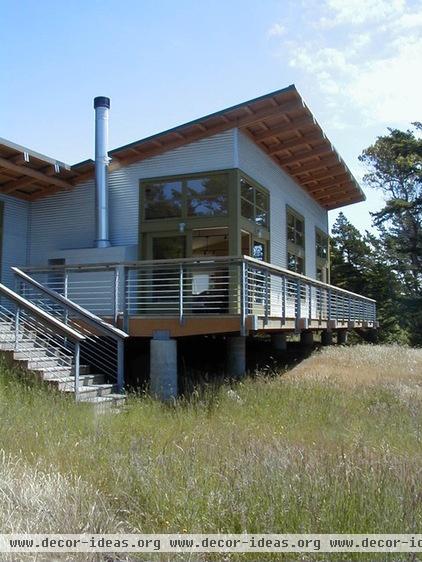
311 451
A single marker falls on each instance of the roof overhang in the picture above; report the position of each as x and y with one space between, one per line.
282 125
279 123
28 175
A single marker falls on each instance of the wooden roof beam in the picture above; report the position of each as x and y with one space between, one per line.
214 129
285 128
312 166
340 178
297 158
10 186
4 163
302 140
333 172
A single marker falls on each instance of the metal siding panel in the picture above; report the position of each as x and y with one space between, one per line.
62 221
67 219
283 191
213 153
15 236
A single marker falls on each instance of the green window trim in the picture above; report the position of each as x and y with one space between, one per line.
254 202
295 237
322 249
182 197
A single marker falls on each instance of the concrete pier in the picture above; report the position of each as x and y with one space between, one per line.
306 338
279 342
236 356
326 337
341 337
163 368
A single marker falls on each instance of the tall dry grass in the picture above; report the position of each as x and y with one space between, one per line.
332 446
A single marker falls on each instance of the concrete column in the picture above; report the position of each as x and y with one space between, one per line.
306 338
279 342
341 337
163 368
236 356
326 337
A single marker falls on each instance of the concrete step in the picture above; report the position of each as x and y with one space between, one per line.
86 393
112 403
62 383
63 371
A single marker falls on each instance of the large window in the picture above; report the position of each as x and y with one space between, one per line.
163 199
254 203
295 241
321 250
205 196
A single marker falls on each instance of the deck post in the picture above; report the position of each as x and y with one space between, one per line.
341 337
326 337
306 338
279 342
163 367
236 356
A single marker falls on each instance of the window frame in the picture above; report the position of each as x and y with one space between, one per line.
184 179
297 250
257 187
320 262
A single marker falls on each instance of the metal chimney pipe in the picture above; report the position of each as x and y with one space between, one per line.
101 106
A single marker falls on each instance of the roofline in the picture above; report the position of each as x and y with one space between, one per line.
34 154
291 87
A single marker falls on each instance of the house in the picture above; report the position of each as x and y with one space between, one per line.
217 226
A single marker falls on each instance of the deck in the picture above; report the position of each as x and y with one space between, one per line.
207 296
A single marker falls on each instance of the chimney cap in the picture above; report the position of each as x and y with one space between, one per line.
101 101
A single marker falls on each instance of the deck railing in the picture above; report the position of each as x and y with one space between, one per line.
182 288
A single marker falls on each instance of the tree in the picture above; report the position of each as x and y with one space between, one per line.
358 264
394 165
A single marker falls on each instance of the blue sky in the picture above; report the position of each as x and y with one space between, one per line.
357 64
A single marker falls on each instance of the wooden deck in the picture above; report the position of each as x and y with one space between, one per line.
208 296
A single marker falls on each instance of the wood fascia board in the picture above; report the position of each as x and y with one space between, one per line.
21 170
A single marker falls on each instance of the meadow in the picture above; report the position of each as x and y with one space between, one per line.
332 445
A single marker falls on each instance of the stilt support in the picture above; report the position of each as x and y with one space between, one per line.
236 356
306 338
326 337
163 368
341 337
279 342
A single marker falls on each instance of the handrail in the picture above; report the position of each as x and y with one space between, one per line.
87 315
192 261
284 271
41 314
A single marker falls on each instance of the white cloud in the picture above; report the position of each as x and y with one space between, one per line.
356 12
276 30
367 61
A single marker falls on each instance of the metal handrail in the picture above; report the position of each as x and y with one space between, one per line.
90 318
27 314
190 261
42 315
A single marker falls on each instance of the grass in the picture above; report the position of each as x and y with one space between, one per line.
334 445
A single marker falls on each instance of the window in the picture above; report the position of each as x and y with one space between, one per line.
254 203
163 200
295 229
321 250
205 196
321 241
295 263
295 241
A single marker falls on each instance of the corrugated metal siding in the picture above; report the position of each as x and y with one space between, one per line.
64 220
67 220
15 236
283 191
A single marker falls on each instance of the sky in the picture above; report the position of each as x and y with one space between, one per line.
357 64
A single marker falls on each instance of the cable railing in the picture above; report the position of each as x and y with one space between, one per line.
183 288
38 338
103 345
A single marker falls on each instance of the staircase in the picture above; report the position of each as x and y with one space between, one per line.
62 344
